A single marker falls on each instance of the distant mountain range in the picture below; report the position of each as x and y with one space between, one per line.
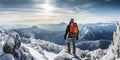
53 27
55 32
93 45
37 49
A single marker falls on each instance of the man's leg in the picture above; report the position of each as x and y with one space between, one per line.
74 48
68 46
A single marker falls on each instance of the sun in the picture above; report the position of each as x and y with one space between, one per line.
47 6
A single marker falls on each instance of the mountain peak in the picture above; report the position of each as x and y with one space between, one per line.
62 23
34 27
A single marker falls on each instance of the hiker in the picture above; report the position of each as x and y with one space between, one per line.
72 32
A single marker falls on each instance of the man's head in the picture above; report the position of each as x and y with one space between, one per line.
71 20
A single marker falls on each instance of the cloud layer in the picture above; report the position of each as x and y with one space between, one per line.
72 5
59 10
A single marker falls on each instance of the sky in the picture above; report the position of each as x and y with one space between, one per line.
57 11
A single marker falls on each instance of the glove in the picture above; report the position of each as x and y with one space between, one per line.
64 37
77 38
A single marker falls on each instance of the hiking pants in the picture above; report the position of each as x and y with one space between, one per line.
73 45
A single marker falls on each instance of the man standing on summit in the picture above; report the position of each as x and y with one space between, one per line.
72 32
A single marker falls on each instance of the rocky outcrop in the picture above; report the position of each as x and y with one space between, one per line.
113 52
13 46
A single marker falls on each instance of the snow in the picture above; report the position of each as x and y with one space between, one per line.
34 53
4 56
63 55
45 50
10 41
113 52
7 57
1 48
50 55
86 30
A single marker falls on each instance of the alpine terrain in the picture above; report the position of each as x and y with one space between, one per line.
14 46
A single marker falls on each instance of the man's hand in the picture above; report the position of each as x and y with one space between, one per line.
64 37
77 38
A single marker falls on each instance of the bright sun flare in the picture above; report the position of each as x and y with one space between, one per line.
47 6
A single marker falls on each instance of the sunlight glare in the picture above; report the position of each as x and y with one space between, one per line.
47 6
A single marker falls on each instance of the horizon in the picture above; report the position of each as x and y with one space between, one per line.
56 11
58 23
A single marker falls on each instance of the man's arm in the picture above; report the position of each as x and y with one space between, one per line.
66 32
77 37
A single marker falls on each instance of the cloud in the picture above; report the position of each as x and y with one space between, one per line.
59 6
88 17
98 5
54 11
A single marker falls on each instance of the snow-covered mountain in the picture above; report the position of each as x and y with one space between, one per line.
97 31
53 27
87 31
112 53
37 49
55 32
93 45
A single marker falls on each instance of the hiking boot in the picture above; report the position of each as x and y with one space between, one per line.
68 48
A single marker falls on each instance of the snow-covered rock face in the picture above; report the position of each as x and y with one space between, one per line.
12 38
116 37
113 52
34 50
9 49
116 41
